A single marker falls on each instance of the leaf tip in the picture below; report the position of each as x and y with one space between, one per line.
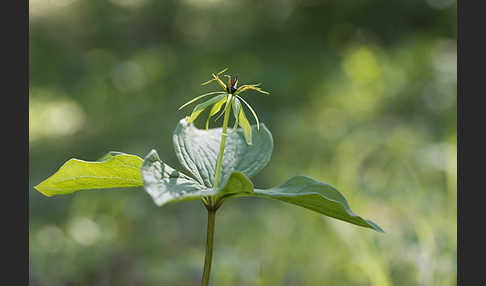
379 229
42 191
375 226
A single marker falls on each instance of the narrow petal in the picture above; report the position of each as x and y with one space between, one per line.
228 101
215 109
199 97
252 112
222 71
236 111
245 125
202 106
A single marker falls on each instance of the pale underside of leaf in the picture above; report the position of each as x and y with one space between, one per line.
166 185
198 149
115 170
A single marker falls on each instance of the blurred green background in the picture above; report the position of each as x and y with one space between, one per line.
363 96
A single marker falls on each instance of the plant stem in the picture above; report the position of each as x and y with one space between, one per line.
209 246
223 141
213 206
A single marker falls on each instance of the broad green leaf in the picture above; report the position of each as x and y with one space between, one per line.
116 170
245 125
215 109
237 183
197 150
202 106
166 185
314 195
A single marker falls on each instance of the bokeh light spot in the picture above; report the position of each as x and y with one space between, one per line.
53 115
128 76
84 231
361 65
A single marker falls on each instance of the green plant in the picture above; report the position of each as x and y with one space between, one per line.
221 161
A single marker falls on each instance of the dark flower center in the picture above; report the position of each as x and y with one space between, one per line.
232 87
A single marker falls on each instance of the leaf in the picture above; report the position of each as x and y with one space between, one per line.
116 170
237 183
314 195
202 106
197 150
245 125
166 185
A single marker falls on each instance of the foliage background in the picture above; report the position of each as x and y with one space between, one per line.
363 97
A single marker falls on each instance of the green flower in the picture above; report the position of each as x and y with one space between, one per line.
230 98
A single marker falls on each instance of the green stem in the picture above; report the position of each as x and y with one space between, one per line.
209 246
211 207
223 141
